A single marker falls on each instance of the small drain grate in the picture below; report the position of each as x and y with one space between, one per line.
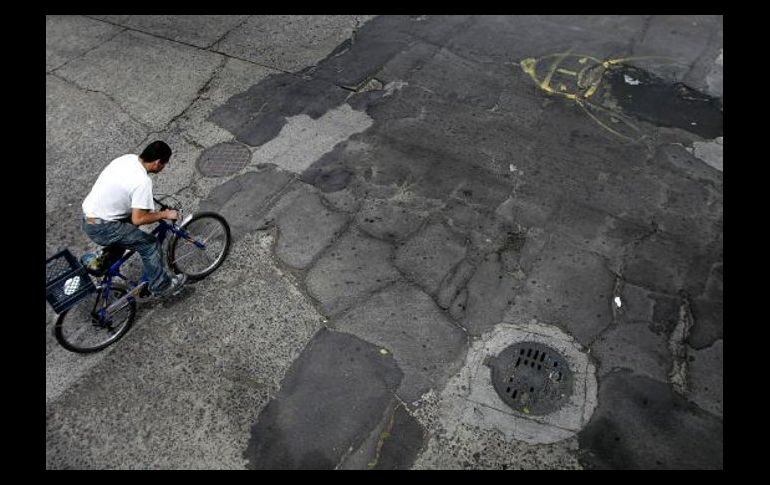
531 378
223 159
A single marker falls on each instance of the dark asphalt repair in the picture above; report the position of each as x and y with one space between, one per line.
651 98
473 153
301 428
649 427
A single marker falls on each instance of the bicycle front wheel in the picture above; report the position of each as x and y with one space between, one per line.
205 247
79 329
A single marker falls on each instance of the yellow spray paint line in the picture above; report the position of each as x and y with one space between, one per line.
383 436
603 125
552 69
584 78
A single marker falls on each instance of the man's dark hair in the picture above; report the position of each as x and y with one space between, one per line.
157 150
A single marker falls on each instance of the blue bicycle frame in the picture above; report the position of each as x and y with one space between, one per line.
135 287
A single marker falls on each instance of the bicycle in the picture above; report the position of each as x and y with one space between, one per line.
87 323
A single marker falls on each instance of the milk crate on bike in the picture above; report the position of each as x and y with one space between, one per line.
66 281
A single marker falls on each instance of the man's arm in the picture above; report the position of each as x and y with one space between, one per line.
140 217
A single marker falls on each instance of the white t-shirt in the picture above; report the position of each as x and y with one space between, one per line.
124 184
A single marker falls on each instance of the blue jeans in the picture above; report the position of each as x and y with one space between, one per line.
128 236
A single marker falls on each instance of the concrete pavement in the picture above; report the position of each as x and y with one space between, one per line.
409 196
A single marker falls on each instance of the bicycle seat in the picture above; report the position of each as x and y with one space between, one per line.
98 264
92 266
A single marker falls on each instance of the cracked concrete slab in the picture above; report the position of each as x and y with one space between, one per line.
671 269
680 39
182 406
198 30
709 322
633 346
706 370
428 257
567 287
182 390
233 77
69 36
592 229
176 72
243 200
452 295
352 268
457 170
489 293
407 323
305 228
344 200
389 220
472 448
708 312
380 41
289 42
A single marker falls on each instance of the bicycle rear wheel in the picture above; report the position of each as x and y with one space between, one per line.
209 230
79 329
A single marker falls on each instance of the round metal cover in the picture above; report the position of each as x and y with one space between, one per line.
531 378
223 159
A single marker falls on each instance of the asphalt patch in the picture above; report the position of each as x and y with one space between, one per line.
642 94
335 393
642 424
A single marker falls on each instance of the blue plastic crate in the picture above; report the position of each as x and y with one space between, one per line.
66 281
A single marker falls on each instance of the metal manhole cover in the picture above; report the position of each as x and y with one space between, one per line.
531 378
223 159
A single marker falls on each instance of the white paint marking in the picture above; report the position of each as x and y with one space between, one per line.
630 80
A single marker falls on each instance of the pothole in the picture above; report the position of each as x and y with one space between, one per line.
223 159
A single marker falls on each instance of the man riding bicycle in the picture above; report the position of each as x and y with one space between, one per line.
120 201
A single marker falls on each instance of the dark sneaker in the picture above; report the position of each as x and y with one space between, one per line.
177 282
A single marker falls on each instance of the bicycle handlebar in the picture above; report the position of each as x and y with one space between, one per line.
163 206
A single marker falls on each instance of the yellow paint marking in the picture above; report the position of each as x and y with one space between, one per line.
603 125
587 82
383 436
